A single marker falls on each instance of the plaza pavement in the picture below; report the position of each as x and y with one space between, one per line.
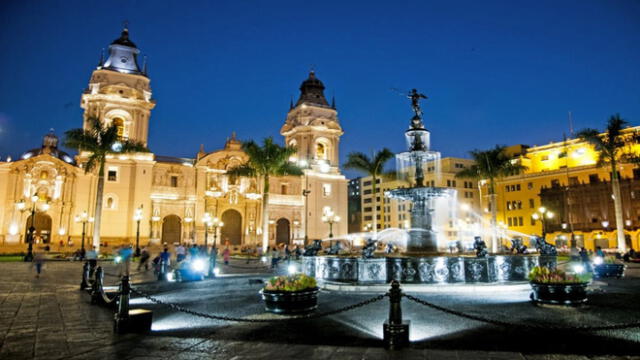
49 318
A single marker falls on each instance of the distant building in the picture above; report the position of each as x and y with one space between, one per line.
355 206
563 178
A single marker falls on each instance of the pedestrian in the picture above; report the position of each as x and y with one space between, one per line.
38 262
287 252
213 258
92 258
181 253
162 265
584 256
125 253
144 259
61 245
194 251
599 252
226 254
275 256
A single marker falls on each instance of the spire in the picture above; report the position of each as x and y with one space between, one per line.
201 152
144 66
333 102
123 55
291 103
312 91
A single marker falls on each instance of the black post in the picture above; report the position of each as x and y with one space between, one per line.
396 330
122 315
213 257
306 193
96 287
85 276
331 229
138 239
206 235
162 271
84 225
32 230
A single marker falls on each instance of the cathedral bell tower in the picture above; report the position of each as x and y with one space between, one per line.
312 126
119 91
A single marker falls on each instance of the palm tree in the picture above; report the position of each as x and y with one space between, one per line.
99 140
491 165
610 149
373 167
265 161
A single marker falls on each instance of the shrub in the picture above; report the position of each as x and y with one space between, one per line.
295 282
544 275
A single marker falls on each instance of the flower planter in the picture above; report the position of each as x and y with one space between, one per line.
609 270
560 294
290 302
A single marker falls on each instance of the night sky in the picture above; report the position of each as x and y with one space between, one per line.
495 72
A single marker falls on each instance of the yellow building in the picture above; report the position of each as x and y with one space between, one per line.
566 166
172 195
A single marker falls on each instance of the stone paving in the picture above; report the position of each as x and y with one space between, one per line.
49 318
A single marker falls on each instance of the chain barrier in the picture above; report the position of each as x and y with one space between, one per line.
236 319
263 267
530 326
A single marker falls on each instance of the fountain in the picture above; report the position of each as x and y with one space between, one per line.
423 260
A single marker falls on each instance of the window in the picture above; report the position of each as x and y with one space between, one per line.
283 189
509 221
368 209
555 183
326 190
562 155
321 151
573 180
520 221
367 192
449 183
458 166
636 174
531 203
545 157
530 185
119 122
533 222
506 188
517 187
367 183
593 178
454 183
112 174
368 218
368 201
174 181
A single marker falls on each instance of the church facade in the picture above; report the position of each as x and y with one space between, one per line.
166 199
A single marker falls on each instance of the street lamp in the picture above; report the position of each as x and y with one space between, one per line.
83 218
206 219
216 223
330 218
138 217
543 214
32 229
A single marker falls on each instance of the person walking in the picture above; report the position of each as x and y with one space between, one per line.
226 254
144 259
125 253
163 264
213 258
92 258
275 257
181 253
38 262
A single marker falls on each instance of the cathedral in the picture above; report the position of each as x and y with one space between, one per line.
169 199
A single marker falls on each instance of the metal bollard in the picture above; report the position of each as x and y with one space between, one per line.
122 315
395 330
96 286
85 276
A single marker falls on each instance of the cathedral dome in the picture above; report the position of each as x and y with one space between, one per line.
123 56
124 39
312 91
49 147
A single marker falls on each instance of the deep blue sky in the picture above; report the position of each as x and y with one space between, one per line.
496 72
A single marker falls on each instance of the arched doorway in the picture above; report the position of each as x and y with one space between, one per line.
171 229
283 231
43 228
232 229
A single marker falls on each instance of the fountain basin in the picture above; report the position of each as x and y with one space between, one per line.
423 270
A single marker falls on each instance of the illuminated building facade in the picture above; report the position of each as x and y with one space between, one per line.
173 194
562 177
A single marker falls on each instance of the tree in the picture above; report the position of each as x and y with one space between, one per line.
99 140
610 148
373 167
491 165
265 161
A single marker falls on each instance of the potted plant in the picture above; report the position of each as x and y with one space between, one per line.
558 287
608 267
293 294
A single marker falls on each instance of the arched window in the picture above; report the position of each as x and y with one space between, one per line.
119 122
323 149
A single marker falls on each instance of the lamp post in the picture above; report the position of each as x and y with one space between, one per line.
83 218
138 217
32 229
542 214
206 219
216 223
330 218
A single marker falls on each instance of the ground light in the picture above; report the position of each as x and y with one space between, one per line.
292 269
198 265
578 268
